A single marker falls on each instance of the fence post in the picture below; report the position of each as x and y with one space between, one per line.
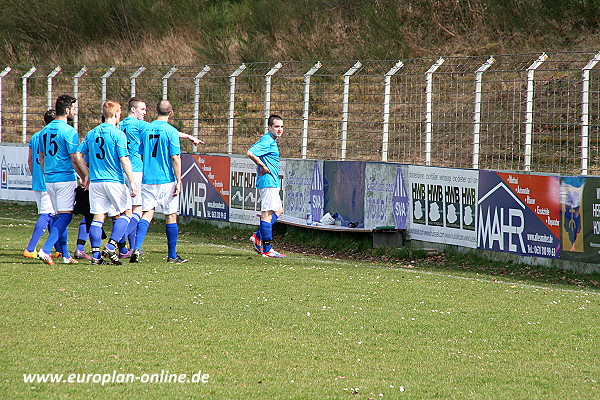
24 108
477 115
2 75
585 113
428 109
50 77
197 101
104 79
347 76
78 75
268 76
307 76
132 79
165 82
387 94
230 122
529 109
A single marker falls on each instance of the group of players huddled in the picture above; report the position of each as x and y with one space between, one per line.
127 170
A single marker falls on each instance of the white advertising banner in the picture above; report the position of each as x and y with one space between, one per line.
386 197
16 177
303 189
443 205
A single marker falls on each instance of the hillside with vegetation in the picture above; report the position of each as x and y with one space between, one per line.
134 32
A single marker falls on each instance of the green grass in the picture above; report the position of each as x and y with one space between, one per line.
304 327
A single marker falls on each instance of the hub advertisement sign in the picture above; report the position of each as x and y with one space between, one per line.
443 205
244 206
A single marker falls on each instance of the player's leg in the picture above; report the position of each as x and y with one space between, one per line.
46 216
149 204
62 248
62 195
271 208
120 211
100 204
136 209
82 237
170 207
38 231
96 238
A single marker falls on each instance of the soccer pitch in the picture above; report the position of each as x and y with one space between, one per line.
230 324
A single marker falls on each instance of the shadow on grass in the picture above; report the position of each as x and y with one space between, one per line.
354 246
358 246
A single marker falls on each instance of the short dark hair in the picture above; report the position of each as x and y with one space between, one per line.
49 116
272 119
133 102
63 102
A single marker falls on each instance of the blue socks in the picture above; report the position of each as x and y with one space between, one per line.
82 235
57 230
172 231
266 233
131 230
96 238
142 229
118 231
42 223
61 244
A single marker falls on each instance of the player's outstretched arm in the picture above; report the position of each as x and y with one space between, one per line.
191 138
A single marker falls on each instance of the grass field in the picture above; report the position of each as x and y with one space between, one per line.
303 327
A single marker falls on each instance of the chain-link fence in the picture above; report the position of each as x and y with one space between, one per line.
523 112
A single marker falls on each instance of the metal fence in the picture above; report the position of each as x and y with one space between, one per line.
522 112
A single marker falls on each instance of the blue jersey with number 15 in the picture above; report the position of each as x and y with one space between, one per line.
58 140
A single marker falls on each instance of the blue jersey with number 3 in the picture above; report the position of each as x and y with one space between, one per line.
104 146
160 141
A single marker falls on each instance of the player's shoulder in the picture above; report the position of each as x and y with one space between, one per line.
266 138
35 137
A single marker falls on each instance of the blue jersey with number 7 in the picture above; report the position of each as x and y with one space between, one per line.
159 141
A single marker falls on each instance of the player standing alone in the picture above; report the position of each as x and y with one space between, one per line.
265 154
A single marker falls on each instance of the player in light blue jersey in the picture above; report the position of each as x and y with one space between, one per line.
161 182
58 145
265 154
44 204
133 125
106 149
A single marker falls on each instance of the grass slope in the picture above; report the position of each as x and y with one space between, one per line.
303 327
